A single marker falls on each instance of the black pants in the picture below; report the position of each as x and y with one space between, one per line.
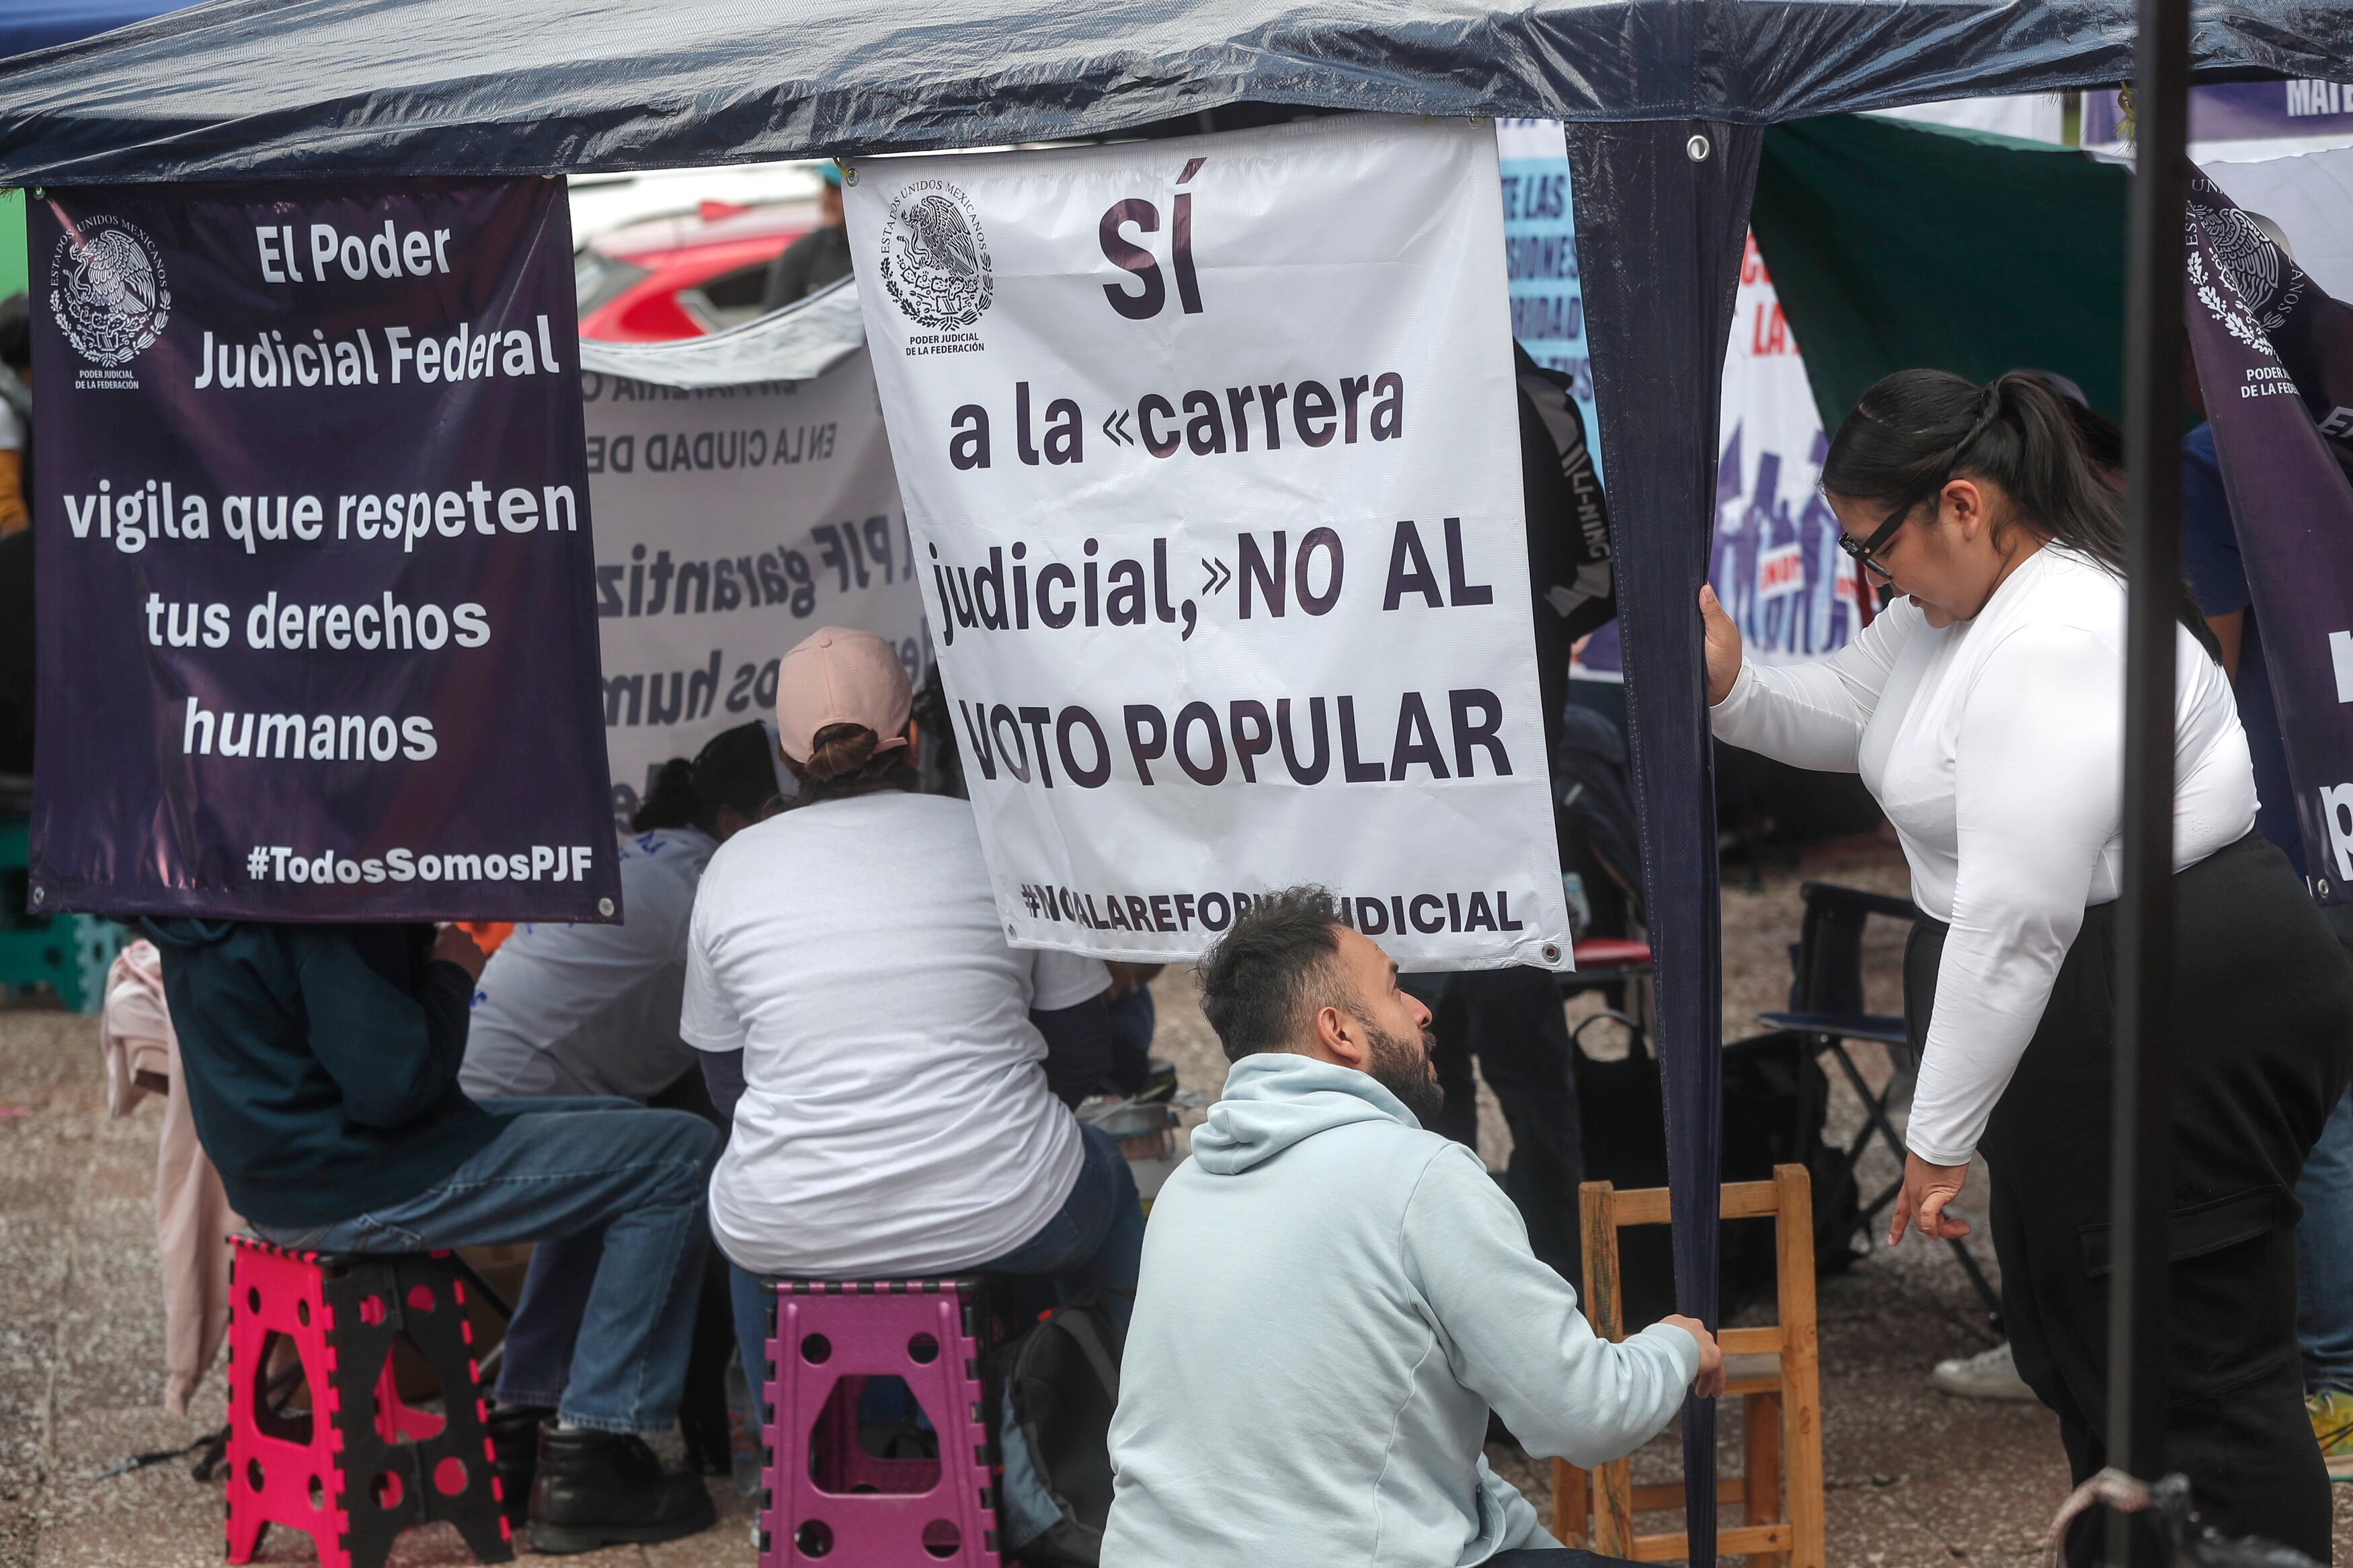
2263 1041
1511 1020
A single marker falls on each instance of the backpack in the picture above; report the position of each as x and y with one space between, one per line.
1060 1384
1594 809
1775 1100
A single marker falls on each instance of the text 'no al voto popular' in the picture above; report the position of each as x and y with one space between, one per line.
1271 575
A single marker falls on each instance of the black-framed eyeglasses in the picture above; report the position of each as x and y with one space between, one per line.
1866 551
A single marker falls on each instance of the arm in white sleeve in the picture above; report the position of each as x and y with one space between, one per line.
2037 795
1811 715
1512 1331
707 1017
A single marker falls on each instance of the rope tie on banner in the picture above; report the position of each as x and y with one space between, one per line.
2111 1488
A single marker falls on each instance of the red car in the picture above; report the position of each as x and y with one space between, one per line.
686 275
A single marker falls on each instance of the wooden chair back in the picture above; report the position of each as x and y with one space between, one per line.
1775 1372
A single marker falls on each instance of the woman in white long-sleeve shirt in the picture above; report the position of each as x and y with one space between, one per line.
1984 709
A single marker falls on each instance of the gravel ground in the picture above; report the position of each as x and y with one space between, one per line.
1915 1478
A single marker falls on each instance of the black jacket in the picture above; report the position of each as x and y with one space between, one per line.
321 1063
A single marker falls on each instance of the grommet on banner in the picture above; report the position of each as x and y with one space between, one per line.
1698 149
40 893
1552 953
2324 887
849 170
604 906
1010 931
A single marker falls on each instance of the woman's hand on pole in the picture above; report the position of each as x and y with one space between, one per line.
1723 641
1928 1189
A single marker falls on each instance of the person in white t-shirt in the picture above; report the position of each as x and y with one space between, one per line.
578 1016
899 1078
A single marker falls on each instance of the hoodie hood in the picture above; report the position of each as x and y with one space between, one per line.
186 930
1276 1098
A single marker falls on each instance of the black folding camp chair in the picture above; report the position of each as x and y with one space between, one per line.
1827 1007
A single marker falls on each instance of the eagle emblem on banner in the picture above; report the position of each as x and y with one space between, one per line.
107 289
935 260
2218 289
2267 291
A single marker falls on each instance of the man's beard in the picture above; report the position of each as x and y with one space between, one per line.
1402 1066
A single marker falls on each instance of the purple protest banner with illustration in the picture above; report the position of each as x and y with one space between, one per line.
317 631
2275 362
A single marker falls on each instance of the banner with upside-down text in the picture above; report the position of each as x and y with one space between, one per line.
731 522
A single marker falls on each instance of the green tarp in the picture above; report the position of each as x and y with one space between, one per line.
1894 243
12 243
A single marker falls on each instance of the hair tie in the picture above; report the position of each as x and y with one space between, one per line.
1988 410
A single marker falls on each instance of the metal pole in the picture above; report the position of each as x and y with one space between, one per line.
2142 1173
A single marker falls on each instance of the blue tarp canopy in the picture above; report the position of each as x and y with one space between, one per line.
304 87
26 24
1666 100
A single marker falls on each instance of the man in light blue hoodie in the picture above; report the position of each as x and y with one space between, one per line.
1332 1299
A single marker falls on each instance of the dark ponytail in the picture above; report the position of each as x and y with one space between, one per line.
732 770
1917 430
846 760
670 800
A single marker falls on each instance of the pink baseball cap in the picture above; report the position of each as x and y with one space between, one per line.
835 676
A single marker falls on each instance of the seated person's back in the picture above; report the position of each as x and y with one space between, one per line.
321 1061
1333 1297
593 1009
896 1117
586 1008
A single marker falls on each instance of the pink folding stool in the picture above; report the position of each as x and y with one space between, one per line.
826 1498
358 1467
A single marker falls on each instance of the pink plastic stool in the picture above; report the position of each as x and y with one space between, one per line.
826 1498
359 1466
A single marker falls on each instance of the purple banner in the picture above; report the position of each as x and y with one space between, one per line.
318 635
2275 362
2238 112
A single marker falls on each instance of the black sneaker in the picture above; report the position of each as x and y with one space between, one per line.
607 1489
514 1448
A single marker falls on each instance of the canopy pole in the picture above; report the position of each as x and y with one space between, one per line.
2141 1177
1661 212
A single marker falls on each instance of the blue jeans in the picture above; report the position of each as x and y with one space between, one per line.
1133 1019
2324 1240
1094 1242
564 1168
545 1329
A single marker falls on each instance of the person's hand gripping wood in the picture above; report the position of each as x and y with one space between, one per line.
1710 1380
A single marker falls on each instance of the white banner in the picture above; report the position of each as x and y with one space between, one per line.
1776 562
1209 449
732 523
